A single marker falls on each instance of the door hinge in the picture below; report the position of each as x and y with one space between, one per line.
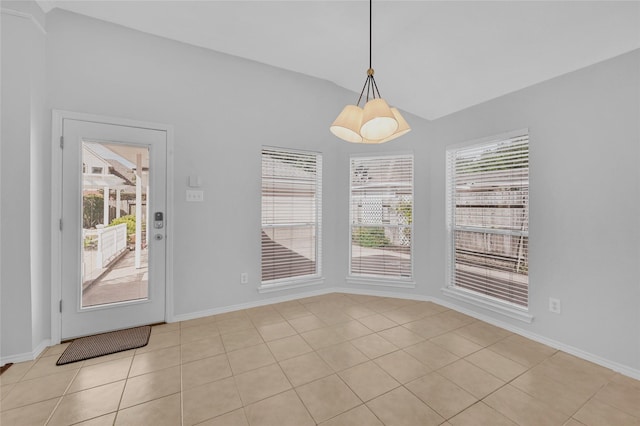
61 224
60 305
61 142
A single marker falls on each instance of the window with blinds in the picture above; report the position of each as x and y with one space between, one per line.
381 210
291 215
488 203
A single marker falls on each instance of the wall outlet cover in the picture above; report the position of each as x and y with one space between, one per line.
554 305
195 196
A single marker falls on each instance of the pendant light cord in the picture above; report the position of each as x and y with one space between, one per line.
370 30
370 83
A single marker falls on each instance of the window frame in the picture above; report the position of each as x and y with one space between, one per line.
381 280
488 302
301 280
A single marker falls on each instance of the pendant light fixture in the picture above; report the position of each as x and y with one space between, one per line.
376 122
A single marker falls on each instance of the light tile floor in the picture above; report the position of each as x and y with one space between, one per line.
333 360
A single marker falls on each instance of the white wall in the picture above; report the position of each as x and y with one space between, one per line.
40 174
584 203
223 109
25 183
585 195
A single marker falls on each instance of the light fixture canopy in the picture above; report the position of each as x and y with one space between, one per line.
376 122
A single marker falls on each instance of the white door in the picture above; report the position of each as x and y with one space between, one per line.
113 227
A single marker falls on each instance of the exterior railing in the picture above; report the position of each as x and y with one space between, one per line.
112 240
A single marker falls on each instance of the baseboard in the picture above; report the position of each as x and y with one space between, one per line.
596 359
26 356
382 293
617 367
255 304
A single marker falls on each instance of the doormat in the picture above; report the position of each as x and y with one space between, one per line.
105 344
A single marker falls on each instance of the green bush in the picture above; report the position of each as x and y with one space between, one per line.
405 208
91 242
92 211
130 220
370 237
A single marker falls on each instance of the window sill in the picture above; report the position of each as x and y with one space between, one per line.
289 284
506 309
382 282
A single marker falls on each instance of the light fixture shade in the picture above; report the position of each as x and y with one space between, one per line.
378 122
403 126
347 125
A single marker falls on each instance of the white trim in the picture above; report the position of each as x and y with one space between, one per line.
352 279
46 5
289 284
23 15
620 368
57 117
110 305
169 287
27 356
451 290
487 139
376 154
383 293
56 215
596 359
249 305
290 150
380 282
488 303
316 277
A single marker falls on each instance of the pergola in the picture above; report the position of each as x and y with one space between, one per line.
106 182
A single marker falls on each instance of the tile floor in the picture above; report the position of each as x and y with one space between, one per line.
332 360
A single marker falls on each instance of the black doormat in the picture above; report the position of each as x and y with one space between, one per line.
105 344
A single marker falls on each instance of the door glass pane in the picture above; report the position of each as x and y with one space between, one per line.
115 188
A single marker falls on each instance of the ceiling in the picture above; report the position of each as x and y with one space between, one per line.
431 58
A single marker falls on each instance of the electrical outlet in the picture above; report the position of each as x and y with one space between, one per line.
554 305
244 278
195 196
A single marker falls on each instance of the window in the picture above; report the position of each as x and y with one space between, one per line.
291 216
381 217
96 170
488 220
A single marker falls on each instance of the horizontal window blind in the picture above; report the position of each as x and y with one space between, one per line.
489 208
291 214
381 210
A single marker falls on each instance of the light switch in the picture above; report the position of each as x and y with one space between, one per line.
195 181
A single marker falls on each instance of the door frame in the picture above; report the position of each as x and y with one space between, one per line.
57 118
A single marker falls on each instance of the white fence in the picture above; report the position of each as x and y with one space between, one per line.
112 240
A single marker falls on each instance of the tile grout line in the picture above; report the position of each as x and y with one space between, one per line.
512 380
528 368
62 397
124 388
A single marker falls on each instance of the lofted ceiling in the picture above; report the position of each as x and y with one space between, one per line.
431 58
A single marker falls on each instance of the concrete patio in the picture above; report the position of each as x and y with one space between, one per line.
123 282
